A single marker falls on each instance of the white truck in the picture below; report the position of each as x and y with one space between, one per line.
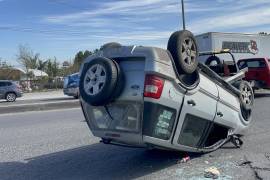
241 45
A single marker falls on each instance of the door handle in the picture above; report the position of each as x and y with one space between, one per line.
219 114
191 103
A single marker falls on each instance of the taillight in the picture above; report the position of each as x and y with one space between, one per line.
153 86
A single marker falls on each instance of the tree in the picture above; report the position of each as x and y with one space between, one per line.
79 58
96 50
41 65
87 53
27 58
49 68
52 68
55 67
264 33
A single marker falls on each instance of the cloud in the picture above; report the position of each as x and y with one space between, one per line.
129 8
136 20
241 19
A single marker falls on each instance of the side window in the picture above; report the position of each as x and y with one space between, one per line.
8 84
256 64
2 84
242 64
253 63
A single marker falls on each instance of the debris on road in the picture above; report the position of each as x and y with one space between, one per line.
206 162
184 159
211 172
244 163
236 141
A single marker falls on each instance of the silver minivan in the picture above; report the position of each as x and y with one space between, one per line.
156 98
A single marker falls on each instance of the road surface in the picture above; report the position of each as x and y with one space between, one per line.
58 145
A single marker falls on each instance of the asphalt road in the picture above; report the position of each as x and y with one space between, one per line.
38 104
58 145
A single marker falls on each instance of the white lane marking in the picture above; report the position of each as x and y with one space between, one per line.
36 112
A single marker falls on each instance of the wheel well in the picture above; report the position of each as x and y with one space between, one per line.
9 93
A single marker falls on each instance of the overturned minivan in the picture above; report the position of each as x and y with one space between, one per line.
156 98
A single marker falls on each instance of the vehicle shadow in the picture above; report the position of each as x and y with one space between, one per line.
97 161
261 95
4 101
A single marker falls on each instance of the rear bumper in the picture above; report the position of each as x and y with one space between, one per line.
71 91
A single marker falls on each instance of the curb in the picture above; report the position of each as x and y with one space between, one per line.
39 106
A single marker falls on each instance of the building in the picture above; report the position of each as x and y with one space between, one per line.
240 44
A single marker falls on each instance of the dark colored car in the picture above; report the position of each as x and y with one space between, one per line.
258 71
71 85
9 90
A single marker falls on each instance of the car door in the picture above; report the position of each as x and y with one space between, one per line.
197 114
228 108
2 90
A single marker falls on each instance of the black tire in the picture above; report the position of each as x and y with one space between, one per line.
11 97
213 59
105 92
183 48
246 95
120 84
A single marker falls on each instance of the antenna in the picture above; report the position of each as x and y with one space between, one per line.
183 15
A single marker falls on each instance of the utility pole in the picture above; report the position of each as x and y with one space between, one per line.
183 15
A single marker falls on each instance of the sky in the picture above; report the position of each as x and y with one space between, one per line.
60 28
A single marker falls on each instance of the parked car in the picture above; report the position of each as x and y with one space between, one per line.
9 90
156 98
71 85
258 71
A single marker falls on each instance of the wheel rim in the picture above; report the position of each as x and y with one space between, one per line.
94 80
10 97
246 95
189 51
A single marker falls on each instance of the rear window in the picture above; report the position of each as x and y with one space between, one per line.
253 63
74 77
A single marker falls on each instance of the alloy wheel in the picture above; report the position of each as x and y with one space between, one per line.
95 79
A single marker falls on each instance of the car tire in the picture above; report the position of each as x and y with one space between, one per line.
11 97
246 95
98 81
120 84
183 48
213 59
